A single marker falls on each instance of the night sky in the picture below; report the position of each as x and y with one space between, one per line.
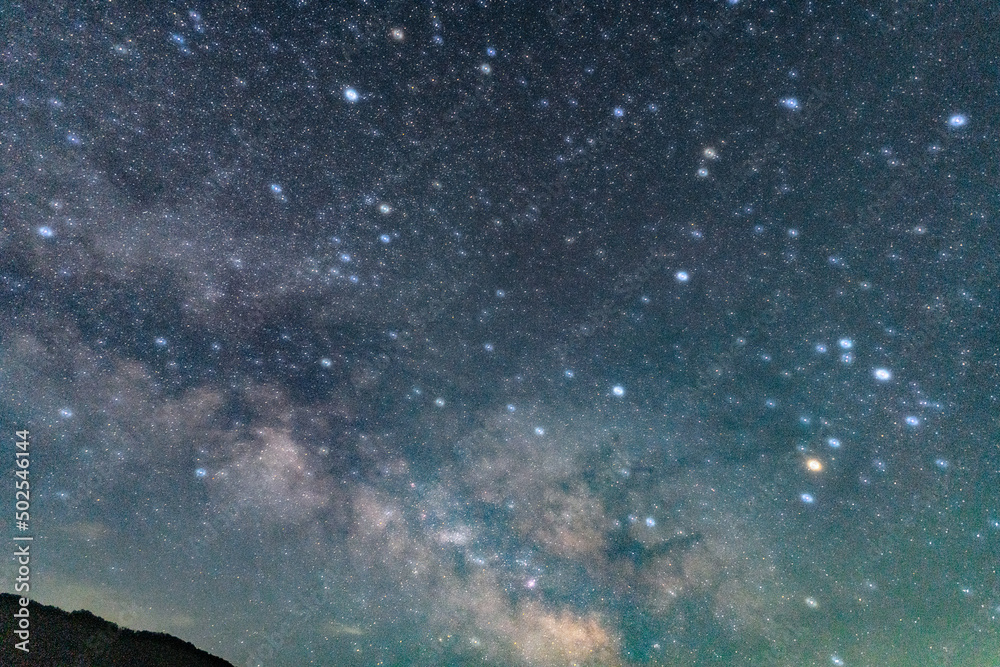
508 333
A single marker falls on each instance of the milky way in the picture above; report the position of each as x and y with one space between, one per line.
511 335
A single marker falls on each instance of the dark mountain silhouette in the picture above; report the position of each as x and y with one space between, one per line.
80 639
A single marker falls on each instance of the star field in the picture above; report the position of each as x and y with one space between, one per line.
509 334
